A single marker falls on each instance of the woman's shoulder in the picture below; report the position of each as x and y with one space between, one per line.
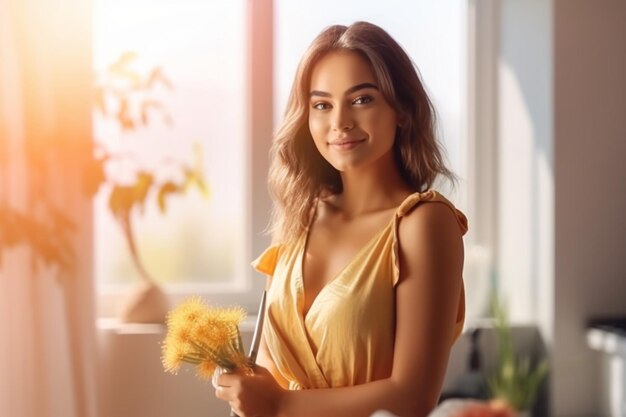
430 236
418 213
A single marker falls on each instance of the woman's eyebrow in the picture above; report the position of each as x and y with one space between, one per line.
347 92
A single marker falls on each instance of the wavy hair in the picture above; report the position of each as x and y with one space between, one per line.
298 172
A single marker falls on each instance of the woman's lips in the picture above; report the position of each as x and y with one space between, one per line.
345 144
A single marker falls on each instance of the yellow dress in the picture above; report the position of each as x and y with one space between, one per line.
347 336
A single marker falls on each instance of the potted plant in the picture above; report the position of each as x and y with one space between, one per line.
516 379
123 97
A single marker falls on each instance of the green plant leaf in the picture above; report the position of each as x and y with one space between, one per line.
156 75
121 69
142 186
121 200
165 190
123 115
203 188
515 380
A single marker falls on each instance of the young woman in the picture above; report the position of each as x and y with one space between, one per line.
365 293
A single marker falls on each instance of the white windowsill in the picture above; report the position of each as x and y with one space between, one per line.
114 325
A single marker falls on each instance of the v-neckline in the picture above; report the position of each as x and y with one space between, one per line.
339 274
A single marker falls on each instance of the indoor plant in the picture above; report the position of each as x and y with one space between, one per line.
516 379
123 97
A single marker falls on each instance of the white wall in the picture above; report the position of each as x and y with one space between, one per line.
562 180
590 190
525 160
133 382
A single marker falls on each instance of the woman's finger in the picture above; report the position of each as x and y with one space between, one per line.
228 380
224 393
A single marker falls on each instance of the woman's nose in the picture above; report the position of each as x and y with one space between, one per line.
342 119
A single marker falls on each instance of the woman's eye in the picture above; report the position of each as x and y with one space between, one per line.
362 100
321 106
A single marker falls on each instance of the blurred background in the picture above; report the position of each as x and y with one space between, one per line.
134 140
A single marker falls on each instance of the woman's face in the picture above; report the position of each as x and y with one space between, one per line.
351 122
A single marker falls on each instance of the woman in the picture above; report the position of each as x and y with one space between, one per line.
365 293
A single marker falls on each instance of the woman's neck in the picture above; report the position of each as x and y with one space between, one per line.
373 188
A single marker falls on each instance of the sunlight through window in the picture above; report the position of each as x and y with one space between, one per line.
172 80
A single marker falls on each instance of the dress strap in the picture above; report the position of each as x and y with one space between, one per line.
413 201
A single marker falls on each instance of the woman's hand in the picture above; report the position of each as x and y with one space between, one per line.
256 395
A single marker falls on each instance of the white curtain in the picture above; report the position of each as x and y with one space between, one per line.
47 331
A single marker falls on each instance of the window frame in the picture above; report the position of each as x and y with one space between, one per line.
482 109
480 150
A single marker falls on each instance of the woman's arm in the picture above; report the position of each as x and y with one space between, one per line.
427 296
431 261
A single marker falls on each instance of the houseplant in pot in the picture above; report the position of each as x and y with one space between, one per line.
517 379
124 99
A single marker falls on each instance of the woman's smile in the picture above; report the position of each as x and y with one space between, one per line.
346 144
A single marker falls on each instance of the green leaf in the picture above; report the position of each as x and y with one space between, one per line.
202 187
146 106
123 61
166 189
194 178
121 69
515 380
156 75
123 115
142 186
121 200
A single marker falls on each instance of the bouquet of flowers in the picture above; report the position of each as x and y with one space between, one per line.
204 336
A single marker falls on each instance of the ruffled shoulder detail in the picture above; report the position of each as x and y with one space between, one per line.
266 262
431 196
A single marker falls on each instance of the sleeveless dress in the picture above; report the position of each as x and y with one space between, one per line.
347 336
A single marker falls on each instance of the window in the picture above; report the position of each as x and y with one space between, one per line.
199 48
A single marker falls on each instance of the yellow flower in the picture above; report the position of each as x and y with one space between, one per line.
233 315
206 369
204 336
214 333
187 313
172 355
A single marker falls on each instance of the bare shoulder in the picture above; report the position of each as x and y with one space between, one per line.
430 220
430 236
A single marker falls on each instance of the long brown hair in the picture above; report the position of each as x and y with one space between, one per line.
299 173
